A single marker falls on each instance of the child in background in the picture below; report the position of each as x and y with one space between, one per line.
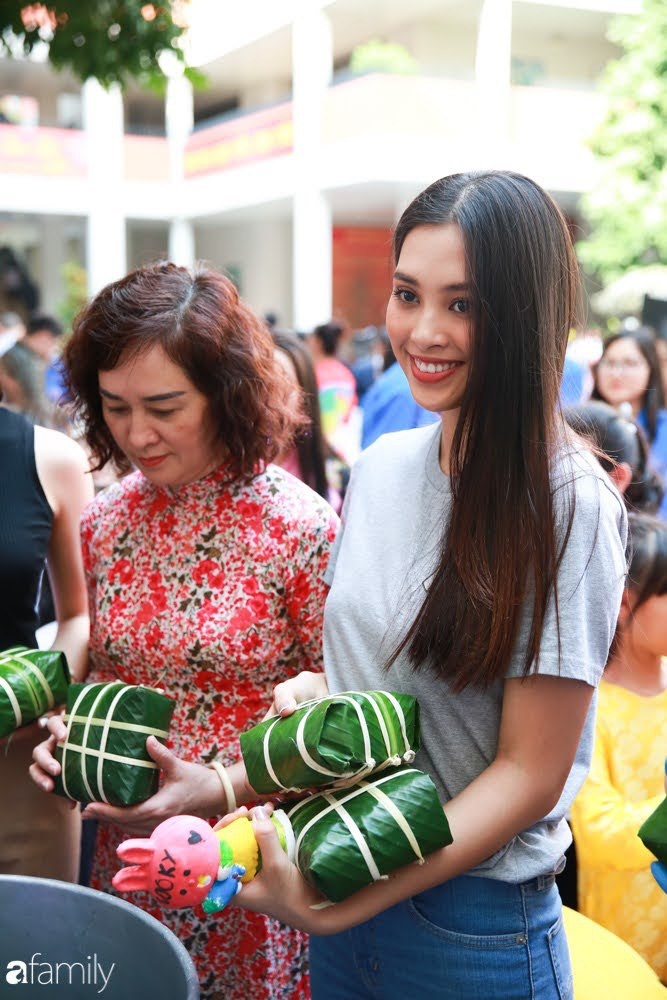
616 887
625 458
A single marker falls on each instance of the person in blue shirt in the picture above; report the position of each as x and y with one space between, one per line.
43 336
572 383
629 373
390 406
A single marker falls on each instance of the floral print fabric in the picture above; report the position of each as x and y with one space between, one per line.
214 593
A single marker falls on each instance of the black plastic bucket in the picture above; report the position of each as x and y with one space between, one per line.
73 943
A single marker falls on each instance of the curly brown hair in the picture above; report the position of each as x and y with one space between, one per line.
225 350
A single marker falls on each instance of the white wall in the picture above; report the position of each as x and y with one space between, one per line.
261 252
265 92
440 46
567 62
447 47
146 244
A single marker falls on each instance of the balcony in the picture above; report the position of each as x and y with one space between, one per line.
376 129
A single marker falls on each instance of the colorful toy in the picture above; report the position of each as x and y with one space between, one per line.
185 862
340 840
381 816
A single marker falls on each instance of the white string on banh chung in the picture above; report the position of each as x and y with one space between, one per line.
107 723
409 754
33 668
65 744
105 737
267 756
357 790
114 724
359 839
342 780
86 733
108 755
10 656
28 686
368 764
13 701
305 756
402 822
372 697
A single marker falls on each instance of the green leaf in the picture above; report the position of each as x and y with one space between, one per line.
114 41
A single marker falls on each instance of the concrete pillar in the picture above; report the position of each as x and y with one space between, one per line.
182 242
106 254
493 66
312 68
179 118
53 254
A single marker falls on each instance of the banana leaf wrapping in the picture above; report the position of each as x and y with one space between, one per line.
332 741
31 682
653 832
348 838
104 757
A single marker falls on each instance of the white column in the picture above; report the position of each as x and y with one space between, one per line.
106 253
182 242
52 258
312 67
493 66
179 117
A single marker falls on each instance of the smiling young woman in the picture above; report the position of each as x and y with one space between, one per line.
480 568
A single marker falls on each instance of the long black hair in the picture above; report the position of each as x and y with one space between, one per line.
328 335
504 532
647 558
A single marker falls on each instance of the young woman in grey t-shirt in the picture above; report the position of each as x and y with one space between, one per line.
480 566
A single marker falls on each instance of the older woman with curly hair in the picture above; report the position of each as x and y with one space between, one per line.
204 567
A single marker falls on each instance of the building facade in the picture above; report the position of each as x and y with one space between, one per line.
291 168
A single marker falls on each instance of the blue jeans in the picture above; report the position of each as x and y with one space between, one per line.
468 939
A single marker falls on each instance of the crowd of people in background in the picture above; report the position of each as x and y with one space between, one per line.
354 390
321 398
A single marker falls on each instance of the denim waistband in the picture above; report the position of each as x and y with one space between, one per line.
538 884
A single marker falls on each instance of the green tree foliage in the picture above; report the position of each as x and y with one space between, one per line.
628 207
382 57
114 41
76 293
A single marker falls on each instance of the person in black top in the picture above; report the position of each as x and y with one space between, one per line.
43 490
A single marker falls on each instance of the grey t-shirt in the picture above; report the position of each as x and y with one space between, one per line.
385 554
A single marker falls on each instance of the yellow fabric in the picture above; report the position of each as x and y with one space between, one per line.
604 967
625 785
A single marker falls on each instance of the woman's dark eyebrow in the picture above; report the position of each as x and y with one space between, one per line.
399 276
163 396
147 399
461 286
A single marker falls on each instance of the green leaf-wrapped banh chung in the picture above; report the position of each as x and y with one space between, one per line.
332 741
104 757
347 838
31 682
653 832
